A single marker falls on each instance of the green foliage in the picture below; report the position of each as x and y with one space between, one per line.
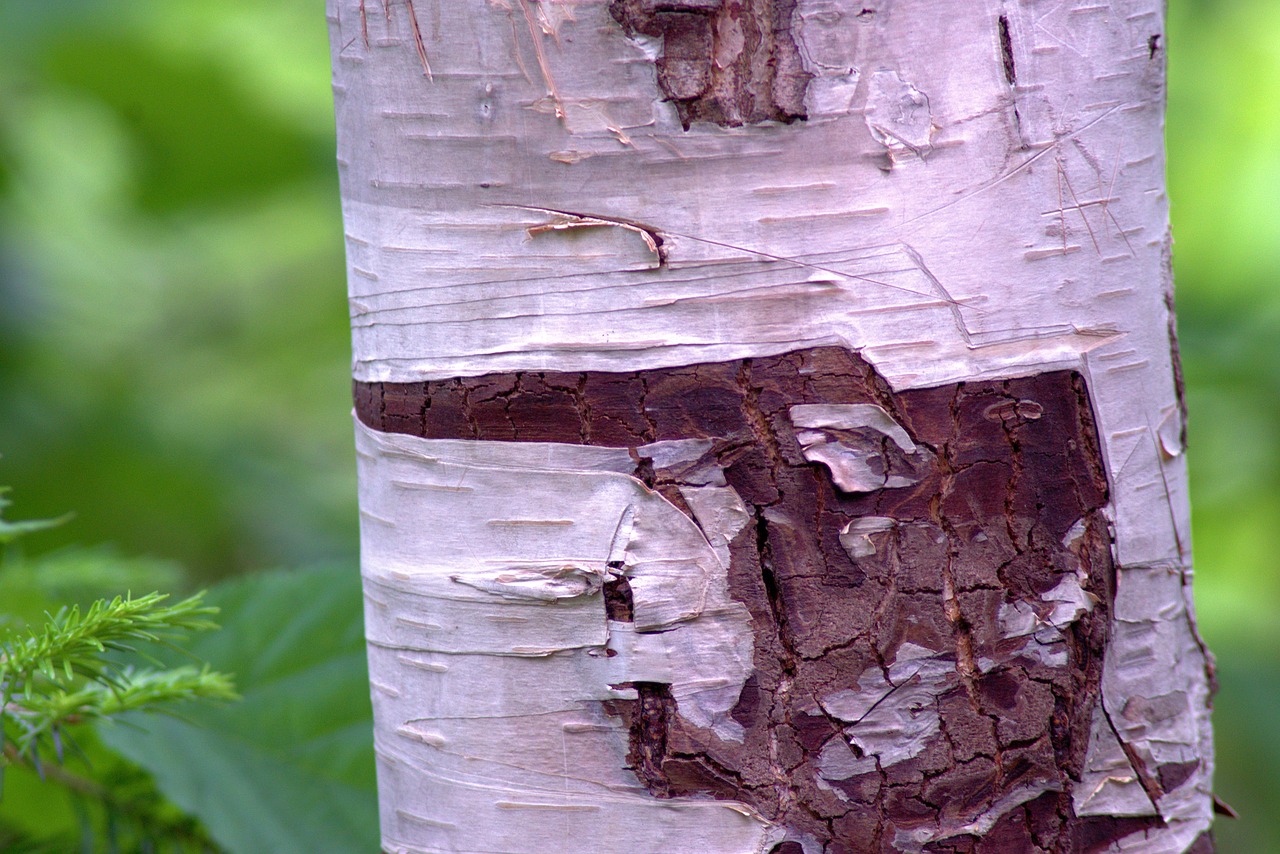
10 531
289 769
174 356
76 666
174 340
62 674
110 806
74 643
233 777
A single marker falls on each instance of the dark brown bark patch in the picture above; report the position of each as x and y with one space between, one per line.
999 517
618 604
650 723
1006 51
731 62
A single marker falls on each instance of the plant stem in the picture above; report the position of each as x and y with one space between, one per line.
88 788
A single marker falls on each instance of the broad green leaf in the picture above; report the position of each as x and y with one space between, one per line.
289 769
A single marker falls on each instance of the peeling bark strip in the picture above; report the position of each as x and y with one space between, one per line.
731 62
929 642
864 587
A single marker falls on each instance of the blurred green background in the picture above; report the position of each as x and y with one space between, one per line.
173 328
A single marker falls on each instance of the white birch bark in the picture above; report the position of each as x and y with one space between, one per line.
951 209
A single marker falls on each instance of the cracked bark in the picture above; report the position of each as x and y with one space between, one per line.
730 62
598 223
1007 511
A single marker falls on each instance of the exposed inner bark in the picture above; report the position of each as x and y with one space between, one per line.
731 62
1006 51
1001 511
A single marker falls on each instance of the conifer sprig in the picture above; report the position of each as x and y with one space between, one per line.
63 673
73 642
74 668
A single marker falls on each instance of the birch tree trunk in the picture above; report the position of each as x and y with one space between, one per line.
769 426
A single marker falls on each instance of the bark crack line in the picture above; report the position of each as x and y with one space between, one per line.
772 591
965 665
649 726
1021 471
584 408
1006 51
468 410
1150 785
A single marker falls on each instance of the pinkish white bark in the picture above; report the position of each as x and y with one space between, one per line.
957 192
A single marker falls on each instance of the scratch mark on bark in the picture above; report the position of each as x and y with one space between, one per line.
417 40
1079 209
982 188
655 232
547 79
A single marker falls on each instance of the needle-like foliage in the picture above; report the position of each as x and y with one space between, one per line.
80 665
73 643
69 670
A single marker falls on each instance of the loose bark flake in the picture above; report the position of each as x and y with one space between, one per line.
931 703
928 656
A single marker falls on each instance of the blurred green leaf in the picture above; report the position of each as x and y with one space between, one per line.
32 585
174 346
1224 179
43 816
190 132
290 769
10 531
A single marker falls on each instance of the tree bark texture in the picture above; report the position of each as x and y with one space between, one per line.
768 427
